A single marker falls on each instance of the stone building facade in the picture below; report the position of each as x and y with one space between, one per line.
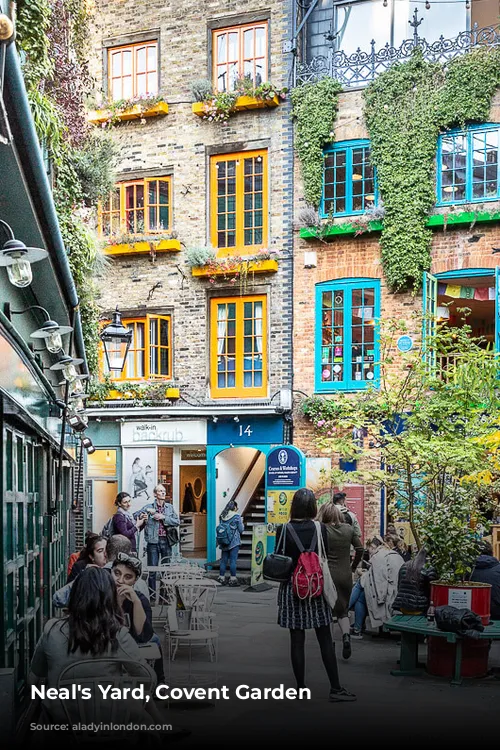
183 153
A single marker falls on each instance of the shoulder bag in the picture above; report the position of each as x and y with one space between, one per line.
329 589
278 567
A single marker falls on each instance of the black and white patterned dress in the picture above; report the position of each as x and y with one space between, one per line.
295 613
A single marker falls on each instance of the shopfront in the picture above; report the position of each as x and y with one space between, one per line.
236 460
135 456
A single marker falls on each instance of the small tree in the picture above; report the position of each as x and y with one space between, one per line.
428 434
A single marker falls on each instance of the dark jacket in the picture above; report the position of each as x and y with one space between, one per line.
487 570
305 531
122 524
147 631
76 570
413 596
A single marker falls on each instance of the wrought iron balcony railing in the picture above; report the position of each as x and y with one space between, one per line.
358 69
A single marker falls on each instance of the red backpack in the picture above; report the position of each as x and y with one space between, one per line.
307 578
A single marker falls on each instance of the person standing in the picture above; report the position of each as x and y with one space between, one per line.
299 615
161 517
380 583
339 500
124 522
232 522
340 537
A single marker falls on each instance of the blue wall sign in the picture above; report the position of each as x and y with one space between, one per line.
247 431
284 467
405 343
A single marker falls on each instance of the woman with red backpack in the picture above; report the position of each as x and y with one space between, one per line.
297 612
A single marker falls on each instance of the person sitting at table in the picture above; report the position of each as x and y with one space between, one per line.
414 586
117 543
93 553
137 609
487 570
93 629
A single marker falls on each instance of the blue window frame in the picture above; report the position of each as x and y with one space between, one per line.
468 165
349 184
347 349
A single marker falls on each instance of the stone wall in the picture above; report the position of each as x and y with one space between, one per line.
180 143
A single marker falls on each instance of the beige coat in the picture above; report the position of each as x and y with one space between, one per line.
381 584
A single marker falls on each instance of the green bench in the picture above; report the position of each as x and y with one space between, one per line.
411 626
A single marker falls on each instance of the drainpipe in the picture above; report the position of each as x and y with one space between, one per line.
30 156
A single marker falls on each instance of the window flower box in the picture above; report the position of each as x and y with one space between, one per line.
143 246
254 266
445 220
136 112
243 102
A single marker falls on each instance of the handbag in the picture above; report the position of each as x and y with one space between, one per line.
329 589
172 535
278 567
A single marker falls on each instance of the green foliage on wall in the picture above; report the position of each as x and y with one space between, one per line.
52 38
406 107
314 109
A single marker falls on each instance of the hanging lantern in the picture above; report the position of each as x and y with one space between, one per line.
116 339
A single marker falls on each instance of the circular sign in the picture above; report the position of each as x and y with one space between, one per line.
405 343
259 552
282 498
282 457
337 368
369 375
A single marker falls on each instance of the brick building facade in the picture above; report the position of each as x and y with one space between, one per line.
185 155
462 254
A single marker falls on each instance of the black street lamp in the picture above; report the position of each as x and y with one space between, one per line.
116 339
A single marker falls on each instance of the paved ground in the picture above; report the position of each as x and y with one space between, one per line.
253 650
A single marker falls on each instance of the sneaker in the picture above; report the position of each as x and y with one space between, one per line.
356 635
221 580
346 646
341 696
233 582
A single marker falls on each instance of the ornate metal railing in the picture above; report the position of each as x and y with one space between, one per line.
359 68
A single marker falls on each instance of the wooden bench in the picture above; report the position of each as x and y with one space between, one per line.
411 626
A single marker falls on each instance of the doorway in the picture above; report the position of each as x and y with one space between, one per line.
193 507
104 492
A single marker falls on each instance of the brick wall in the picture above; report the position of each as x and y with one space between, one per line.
349 257
181 143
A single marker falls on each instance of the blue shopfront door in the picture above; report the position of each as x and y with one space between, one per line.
260 433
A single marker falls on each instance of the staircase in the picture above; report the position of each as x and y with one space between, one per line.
255 513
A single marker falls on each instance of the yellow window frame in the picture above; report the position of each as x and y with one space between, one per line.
240 30
121 188
240 248
133 48
239 391
122 377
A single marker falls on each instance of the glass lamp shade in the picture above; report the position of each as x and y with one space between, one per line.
54 343
52 332
67 365
77 387
77 404
18 259
20 273
116 339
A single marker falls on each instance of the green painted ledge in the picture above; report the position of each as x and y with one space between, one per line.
436 220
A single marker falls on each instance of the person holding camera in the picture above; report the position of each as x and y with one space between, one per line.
160 532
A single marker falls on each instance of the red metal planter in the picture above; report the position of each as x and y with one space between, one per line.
440 653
